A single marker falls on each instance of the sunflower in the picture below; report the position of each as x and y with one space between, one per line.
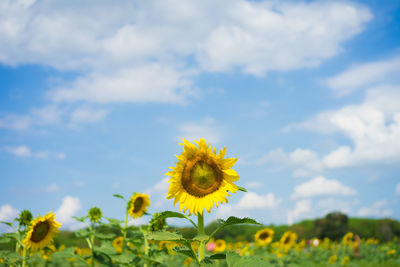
264 237
138 205
288 239
201 177
117 244
332 259
41 232
348 238
220 245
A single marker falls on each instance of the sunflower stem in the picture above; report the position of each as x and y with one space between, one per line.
124 231
24 257
92 242
202 246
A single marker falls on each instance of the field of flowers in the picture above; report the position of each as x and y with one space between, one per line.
201 179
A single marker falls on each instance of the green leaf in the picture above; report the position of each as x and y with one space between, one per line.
5 240
173 214
186 252
15 236
82 233
165 235
79 219
201 237
242 189
119 196
7 223
124 258
232 221
235 260
105 236
218 256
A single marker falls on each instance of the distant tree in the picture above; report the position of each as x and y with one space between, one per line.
333 226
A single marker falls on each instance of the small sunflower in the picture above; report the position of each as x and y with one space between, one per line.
118 243
138 205
348 239
264 237
220 245
332 259
201 177
288 239
41 232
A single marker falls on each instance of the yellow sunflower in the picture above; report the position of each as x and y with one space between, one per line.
220 245
118 243
264 237
288 239
348 238
201 177
41 232
138 205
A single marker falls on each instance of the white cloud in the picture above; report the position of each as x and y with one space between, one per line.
158 192
208 129
373 127
69 207
305 162
359 76
331 204
378 209
87 114
251 200
146 83
398 190
131 57
52 188
19 151
7 213
26 152
321 186
302 207
15 122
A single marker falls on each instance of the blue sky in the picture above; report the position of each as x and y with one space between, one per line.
94 99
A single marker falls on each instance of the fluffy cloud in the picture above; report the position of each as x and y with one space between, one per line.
321 186
378 209
69 207
357 77
208 129
26 152
302 207
126 55
87 114
373 127
251 200
7 213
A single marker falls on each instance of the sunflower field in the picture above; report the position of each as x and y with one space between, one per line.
201 179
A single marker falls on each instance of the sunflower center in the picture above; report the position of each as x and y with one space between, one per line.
137 205
286 240
264 236
201 177
40 231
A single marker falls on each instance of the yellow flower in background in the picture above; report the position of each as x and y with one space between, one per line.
138 205
117 244
264 237
345 260
188 261
288 239
201 177
391 252
332 259
41 232
348 238
220 245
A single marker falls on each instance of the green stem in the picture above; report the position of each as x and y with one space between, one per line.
124 231
202 246
146 248
24 257
92 243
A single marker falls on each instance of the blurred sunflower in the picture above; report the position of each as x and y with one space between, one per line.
138 204
201 177
348 238
288 239
332 259
264 237
41 232
220 245
117 244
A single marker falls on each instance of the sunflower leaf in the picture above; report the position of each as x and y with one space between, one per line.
165 236
201 238
119 196
186 252
242 189
105 236
7 223
232 221
173 214
218 256
79 219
